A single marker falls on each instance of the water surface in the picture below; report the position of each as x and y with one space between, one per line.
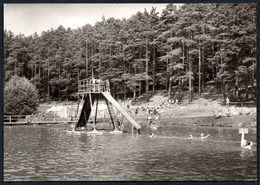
49 153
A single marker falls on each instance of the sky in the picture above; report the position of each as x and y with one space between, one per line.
30 18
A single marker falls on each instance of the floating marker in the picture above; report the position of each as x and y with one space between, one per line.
243 131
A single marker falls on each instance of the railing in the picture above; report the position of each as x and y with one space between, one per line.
93 86
15 118
33 119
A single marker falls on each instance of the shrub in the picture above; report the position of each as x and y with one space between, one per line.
20 96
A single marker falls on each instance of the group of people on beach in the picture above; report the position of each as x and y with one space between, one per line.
170 103
153 113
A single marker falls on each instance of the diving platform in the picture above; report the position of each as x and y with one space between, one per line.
91 91
93 86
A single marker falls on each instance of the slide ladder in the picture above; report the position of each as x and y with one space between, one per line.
111 100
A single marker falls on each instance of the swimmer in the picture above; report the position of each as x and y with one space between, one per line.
190 137
204 137
153 127
248 145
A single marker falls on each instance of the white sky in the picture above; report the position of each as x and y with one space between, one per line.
30 18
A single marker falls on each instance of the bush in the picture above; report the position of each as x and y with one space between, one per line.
20 96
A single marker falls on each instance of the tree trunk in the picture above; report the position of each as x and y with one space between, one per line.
166 86
153 67
100 64
222 84
15 67
78 73
110 58
124 80
246 92
223 90
92 62
114 91
59 82
183 56
124 91
48 79
86 59
140 88
199 72
146 69
170 88
202 69
179 90
67 99
190 81
35 70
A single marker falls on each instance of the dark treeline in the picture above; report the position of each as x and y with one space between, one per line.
183 50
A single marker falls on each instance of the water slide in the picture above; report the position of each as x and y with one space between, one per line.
120 109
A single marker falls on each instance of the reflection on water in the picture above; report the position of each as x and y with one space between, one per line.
49 153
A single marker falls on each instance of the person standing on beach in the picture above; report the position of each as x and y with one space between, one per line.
136 111
148 115
227 101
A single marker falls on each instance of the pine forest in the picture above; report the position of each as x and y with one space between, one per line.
182 50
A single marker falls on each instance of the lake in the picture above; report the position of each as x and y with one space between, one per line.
49 153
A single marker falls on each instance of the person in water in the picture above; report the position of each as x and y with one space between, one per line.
204 137
201 136
153 128
247 144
